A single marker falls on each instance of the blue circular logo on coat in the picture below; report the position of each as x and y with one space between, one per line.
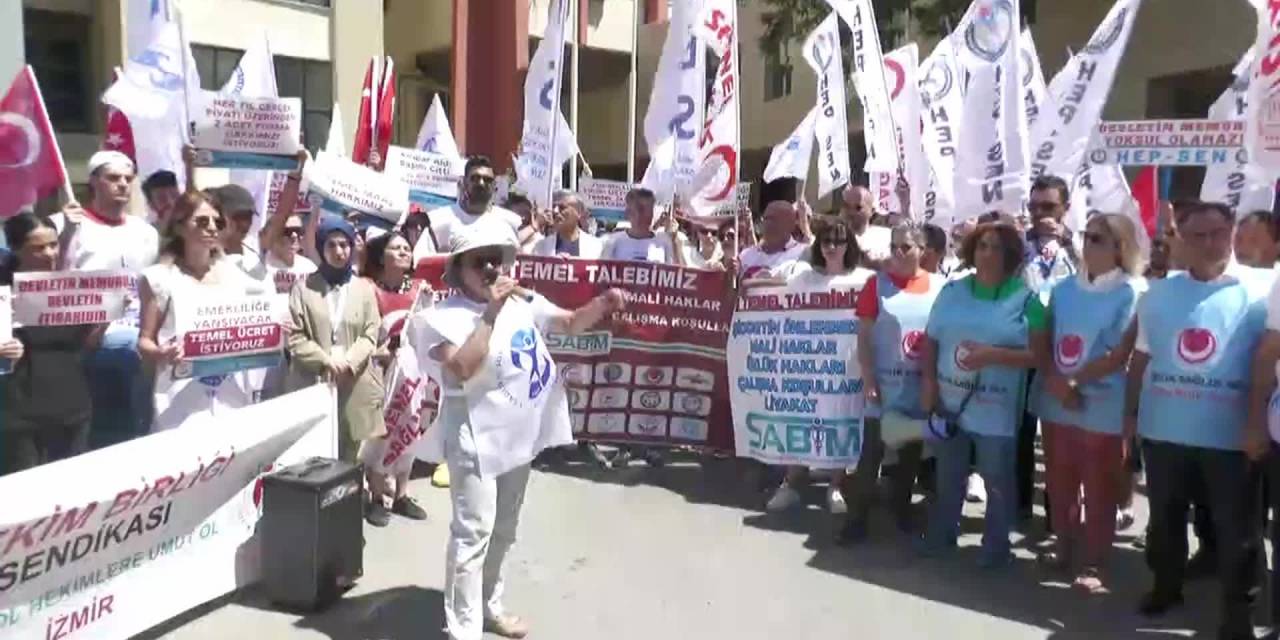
525 357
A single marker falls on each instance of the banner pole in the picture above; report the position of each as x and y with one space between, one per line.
632 90
553 182
180 18
574 56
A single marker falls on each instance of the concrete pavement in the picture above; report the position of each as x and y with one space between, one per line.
685 552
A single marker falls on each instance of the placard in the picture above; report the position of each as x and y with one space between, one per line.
338 185
239 132
1196 142
430 176
61 298
605 199
224 335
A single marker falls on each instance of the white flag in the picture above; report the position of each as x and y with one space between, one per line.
1242 186
143 19
566 147
901 70
436 136
1104 189
714 186
677 105
538 173
942 109
823 53
1079 92
1262 120
254 77
868 78
150 92
336 143
1033 85
790 158
991 170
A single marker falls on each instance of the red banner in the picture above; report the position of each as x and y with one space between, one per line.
654 373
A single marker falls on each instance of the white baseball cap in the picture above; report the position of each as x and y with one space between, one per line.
480 234
101 159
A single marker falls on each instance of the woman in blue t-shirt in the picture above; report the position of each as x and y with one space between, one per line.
1081 400
976 354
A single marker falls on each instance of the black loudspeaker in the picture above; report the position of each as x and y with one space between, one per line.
312 532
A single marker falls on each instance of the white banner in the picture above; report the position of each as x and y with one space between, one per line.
411 403
539 171
605 199
432 178
337 185
942 108
823 53
1062 134
1263 110
713 185
901 69
224 335
1190 142
868 78
110 543
677 105
435 135
1033 85
796 387
59 298
1243 186
790 158
992 171
1103 188
240 132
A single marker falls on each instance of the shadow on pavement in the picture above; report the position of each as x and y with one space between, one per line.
699 479
399 613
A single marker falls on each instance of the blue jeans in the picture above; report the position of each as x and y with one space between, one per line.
997 464
119 387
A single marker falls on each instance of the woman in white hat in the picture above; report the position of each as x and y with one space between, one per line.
487 341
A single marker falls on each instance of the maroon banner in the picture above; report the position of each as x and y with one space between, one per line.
654 373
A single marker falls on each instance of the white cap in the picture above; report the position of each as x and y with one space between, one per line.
478 235
101 159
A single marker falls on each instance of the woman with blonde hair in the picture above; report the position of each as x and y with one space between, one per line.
1081 402
191 267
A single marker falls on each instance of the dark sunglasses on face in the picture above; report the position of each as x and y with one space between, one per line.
293 232
483 261
207 222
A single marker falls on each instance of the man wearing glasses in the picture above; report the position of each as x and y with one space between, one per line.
475 201
1051 255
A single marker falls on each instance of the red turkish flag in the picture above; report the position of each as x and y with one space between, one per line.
1146 190
30 164
364 122
386 112
119 135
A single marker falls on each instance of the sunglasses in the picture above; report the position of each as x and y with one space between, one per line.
292 232
483 261
209 222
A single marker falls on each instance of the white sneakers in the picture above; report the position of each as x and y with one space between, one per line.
785 498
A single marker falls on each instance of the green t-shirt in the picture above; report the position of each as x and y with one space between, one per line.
1037 316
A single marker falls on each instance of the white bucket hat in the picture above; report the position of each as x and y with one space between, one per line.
478 235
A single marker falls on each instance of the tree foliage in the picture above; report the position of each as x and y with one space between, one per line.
787 20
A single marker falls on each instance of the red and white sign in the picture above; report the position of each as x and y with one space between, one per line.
231 334
30 163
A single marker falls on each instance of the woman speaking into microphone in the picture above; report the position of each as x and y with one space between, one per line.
502 403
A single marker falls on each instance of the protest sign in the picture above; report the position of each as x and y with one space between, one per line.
653 373
411 404
795 384
278 181
239 132
150 528
431 177
221 336
59 298
338 185
1169 142
605 199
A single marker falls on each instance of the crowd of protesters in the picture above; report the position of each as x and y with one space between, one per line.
1124 354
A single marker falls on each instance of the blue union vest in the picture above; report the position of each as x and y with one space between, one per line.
896 335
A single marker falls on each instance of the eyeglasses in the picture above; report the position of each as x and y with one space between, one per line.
209 222
293 232
482 261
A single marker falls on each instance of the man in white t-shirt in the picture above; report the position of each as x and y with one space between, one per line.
639 243
858 207
476 202
778 250
104 236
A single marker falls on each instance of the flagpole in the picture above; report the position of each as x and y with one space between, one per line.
180 18
632 90
737 117
66 179
573 89
552 183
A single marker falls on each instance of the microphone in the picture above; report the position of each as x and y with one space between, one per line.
491 276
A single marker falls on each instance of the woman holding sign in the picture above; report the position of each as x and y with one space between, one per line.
45 406
334 336
975 356
1082 397
893 309
502 403
191 267
388 266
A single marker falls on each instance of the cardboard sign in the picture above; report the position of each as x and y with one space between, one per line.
430 176
237 132
1169 143
338 185
605 199
61 298
223 336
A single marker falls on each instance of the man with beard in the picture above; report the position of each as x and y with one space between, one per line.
474 203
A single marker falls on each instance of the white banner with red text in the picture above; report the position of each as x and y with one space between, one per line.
113 542
60 298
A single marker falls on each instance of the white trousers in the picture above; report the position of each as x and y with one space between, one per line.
485 514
